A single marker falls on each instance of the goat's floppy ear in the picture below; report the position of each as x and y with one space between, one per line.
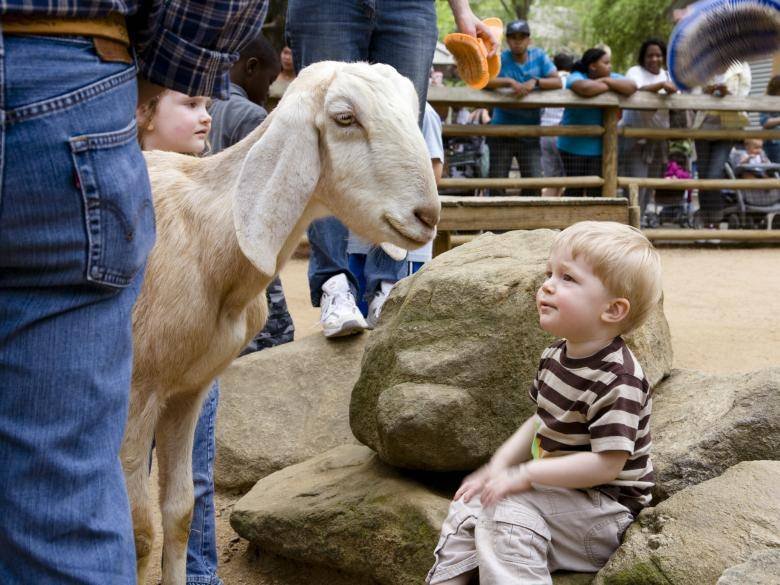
276 181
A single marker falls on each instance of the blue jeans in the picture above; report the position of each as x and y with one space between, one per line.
401 33
76 225
202 546
711 157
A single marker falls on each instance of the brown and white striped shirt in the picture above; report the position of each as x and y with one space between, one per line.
598 403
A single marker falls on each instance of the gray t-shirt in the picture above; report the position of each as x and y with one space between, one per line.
233 119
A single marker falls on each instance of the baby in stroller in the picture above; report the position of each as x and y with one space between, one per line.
752 206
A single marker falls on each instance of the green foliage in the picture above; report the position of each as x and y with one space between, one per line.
625 24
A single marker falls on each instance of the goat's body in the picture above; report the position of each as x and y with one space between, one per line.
225 225
201 305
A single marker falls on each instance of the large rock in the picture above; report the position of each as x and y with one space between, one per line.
703 424
349 512
695 535
762 568
445 376
345 509
284 405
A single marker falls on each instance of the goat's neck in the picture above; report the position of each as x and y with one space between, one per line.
238 280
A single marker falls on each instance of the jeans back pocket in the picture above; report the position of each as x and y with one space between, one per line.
111 174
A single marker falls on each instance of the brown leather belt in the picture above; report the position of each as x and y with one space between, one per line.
109 33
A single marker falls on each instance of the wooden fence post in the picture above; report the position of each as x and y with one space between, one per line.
634 213
609 161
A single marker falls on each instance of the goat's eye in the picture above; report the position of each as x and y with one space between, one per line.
345 118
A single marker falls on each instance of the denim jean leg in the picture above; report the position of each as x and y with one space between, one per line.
529 161
328 255
405 37
379 267
76 225
202 546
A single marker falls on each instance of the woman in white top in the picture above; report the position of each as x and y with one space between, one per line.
641 157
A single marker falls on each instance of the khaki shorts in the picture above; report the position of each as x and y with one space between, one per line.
527 536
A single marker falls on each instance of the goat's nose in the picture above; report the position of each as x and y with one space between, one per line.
429 216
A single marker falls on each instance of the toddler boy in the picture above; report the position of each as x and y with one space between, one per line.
560 492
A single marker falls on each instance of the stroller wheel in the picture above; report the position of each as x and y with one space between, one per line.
653 220
733 221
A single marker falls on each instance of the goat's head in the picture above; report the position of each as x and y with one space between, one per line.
345 137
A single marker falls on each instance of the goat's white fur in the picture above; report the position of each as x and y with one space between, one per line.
226 225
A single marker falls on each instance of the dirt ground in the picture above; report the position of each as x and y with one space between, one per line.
723 308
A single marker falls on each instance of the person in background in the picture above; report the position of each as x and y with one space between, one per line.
641 157
523 69
552 165
771 121
287 73
400 34
750 155
581 155
711 155
76 226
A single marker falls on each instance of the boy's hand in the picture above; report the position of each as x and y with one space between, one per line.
472 484
500 485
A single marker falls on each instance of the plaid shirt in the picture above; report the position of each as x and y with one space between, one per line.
185 45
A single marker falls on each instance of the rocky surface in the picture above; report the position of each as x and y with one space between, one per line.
445 375
702 424
284 405
699 532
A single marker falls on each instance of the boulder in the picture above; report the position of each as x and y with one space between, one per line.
346 510
349 512
699 532
284 405
445 375
702 424
762 568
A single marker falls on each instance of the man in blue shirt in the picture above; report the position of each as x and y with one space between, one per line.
523 69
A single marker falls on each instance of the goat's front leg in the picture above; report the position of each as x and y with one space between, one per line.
174 435
136 459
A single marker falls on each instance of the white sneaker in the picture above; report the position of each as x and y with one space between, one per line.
340 315
376 304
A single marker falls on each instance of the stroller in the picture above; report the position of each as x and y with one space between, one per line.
466 158
672 205
751 208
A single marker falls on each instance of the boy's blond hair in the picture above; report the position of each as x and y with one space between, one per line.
622 258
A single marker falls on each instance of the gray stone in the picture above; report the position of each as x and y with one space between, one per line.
346 510
699 532
349 512
762 568
284 405
702 424
445 375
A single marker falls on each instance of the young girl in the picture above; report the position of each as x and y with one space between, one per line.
176 122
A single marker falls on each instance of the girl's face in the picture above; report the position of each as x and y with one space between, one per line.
180 124
286 58
601 68
654 59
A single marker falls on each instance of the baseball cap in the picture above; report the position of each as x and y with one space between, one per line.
518 27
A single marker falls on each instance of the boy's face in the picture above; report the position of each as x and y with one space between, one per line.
572 299
754 147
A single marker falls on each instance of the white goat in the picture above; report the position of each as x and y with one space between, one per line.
343 141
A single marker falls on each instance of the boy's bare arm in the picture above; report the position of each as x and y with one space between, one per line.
515 450
581 470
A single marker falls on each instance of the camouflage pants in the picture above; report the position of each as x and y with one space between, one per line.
279 328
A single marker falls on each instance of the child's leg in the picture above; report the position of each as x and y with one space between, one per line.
357 264
456 554
514 538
